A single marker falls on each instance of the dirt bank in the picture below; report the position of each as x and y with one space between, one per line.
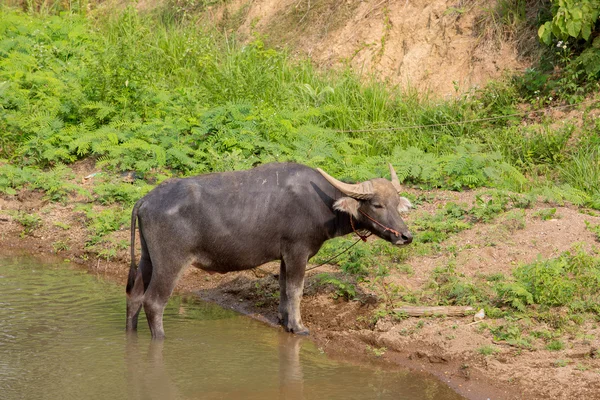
428 45
449 347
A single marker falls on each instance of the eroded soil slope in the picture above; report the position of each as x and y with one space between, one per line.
429 45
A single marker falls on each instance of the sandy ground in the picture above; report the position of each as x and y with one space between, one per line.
444 346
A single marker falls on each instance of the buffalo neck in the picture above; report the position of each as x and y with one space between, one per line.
343 226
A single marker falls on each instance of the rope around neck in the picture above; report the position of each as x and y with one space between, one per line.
361 237
336 256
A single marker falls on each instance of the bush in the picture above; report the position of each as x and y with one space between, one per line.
571 280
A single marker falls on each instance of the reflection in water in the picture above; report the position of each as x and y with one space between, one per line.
291 380
62 337
147 376
149 379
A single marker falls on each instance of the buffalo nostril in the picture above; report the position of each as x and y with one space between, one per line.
407 237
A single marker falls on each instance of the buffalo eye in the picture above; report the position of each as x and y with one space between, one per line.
377 205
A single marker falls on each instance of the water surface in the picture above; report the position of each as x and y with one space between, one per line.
62 337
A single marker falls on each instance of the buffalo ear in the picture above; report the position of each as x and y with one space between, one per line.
347 205
404 205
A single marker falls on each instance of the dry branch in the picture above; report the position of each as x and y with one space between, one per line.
416 311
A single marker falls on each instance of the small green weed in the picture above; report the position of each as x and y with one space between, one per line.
376 351
486 210
100 223
438 227
60 245
514 220
341 288
561 363
555 345
488 350
511 334
546 214
62 225
543 334
581 367
595 229
406 269
30 222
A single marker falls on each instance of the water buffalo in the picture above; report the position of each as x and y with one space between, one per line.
233 221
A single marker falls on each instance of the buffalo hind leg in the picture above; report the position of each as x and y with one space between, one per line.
295 267
282 315
158 294
136 296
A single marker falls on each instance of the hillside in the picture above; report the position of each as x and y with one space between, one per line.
428 45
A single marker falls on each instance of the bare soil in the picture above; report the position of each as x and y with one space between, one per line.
436 46
447 347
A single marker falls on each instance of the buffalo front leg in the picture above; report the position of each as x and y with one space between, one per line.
294 287
282 314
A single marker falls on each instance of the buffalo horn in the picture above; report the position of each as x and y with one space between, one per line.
361 191
395 180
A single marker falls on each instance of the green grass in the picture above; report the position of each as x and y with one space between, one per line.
179 99
488 350
29 222
555 345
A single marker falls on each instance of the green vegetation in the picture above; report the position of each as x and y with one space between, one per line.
546 214
341 288
179 100
30 222
488 350
555 345
60 245
561 363
376 351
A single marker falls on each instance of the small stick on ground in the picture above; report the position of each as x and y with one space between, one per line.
417 311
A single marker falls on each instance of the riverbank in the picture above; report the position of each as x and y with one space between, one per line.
98 106
479 360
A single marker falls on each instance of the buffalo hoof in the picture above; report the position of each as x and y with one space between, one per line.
303 331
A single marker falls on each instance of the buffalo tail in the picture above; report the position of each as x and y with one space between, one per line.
133 267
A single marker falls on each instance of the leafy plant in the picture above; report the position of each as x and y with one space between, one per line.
561 363
595 229
511 333
514 294
514 220
342 289
488 350
571 19
562 280
436 228
30 222
376 351
546 214
465 167
555 345
60 245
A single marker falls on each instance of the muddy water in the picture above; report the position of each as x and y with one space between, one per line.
62 337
